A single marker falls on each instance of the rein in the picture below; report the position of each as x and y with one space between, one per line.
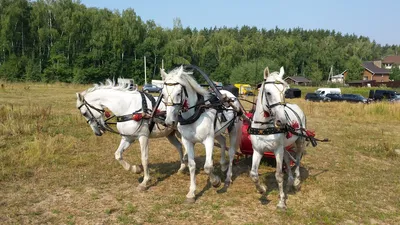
199 107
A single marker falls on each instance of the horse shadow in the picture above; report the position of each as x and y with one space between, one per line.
166 170
272 185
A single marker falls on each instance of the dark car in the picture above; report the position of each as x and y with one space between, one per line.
293 93
335 97
316 98
395 99
354 98
148 88
384 94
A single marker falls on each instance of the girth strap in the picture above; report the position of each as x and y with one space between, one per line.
266 131
144 109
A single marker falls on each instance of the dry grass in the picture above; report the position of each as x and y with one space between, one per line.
54 170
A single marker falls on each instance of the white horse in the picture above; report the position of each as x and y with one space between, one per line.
188 108
272 114
128 106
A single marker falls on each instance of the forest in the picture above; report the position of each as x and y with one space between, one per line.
65 41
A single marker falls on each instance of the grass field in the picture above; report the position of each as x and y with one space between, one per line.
54 170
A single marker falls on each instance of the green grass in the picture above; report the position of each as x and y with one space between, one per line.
53 169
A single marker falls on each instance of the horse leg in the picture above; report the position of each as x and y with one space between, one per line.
144 150
208 166
279 152
300 146
222 141
287 160
234 138
124 144
256 158
190 197
174 140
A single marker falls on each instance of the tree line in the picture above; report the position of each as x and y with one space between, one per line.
63 40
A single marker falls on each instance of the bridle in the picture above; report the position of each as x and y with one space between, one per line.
268 105
172 103
92 118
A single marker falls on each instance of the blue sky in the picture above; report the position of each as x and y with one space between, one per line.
378 20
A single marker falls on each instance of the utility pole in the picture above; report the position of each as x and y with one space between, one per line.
162 63
145 77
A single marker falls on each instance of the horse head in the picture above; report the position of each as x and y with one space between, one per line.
273 95
179 93
92 111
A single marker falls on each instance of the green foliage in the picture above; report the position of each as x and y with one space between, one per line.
354 68
395 72
252 72
66 41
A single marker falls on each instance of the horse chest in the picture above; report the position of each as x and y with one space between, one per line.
264 143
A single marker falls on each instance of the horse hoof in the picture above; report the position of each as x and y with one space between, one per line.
227 183
141 188
281 207
262 189
190 200
217 183
137 169
224 168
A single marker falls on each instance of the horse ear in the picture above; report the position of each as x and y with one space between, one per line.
180 70
163 74
281 72
266 72
79 96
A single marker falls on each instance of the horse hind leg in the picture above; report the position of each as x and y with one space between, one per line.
174 141
287 161
300 147
144 150
222 141
234 139
124 144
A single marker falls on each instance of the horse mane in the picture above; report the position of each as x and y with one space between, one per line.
274 76
109 84
185 78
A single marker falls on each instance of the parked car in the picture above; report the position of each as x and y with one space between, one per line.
335 97
148 88
384 94
325 91
396 99
316 98
347 98
354 98
293 93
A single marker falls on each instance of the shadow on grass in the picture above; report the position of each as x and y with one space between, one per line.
166 170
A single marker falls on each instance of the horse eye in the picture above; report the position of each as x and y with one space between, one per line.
268 93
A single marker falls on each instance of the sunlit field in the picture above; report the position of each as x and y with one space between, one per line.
55 170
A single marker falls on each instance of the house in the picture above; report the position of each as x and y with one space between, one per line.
373 71
339 78
298 80
389 61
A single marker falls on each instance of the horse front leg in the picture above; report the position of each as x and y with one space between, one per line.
174 141
124 144
144 150
222 141
208 166
279 152
189 146
255 163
